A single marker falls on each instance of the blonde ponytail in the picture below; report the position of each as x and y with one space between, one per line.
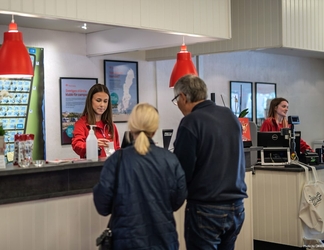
143 123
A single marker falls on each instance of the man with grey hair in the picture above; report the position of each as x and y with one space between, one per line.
210 149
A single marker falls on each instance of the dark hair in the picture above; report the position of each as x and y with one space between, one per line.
192 86
273 104
89 112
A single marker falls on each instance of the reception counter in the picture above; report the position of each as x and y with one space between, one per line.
52 180
276 200
51 207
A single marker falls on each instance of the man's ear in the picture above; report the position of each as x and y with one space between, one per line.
184 97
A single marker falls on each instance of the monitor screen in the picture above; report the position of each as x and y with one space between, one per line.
127 139
272 139
276 140
167 135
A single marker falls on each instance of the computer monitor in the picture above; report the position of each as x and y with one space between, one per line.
275 139
127 139
275 146
272 139
167 135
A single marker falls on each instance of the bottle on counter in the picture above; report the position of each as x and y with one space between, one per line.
92 145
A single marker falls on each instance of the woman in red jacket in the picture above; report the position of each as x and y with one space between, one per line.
277 120
97 111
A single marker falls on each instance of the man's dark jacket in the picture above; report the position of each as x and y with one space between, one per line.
210 149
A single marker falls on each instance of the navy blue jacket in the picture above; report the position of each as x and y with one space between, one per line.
149 189
210 149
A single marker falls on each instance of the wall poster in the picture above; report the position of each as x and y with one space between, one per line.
73 95
241 98
121 79
22 107
265 92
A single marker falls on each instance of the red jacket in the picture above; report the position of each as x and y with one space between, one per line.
81 131
270 124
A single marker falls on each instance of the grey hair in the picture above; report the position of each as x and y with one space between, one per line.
192 86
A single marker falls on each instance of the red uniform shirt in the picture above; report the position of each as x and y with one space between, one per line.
270 124
81 131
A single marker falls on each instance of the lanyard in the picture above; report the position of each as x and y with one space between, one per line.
104 135
103 132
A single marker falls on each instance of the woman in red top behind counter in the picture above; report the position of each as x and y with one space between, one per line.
98 111
277 120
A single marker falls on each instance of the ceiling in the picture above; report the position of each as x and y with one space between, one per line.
76 26
130 39
294 52
53 24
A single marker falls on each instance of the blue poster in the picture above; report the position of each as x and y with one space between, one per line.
121 79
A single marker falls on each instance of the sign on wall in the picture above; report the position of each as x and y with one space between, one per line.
73 95
121 79
22 107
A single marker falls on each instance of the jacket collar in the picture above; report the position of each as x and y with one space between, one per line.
150 140
203 104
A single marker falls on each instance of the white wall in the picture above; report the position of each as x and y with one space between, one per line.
64 56
301 80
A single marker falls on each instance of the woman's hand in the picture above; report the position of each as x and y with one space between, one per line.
102 142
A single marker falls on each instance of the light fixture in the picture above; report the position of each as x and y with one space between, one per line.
183 66
84 26
15 61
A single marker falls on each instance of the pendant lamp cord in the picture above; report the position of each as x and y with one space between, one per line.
12 19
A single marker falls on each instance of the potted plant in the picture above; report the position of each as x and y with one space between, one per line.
2 147
243 113
246 136
2 131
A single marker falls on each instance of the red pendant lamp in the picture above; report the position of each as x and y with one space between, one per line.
15 61
183 66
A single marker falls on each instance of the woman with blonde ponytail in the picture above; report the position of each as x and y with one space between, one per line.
151 186
143 123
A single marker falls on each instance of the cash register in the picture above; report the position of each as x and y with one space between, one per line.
308 157
275 148
280 148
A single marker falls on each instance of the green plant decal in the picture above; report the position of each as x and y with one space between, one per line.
243 113
2 131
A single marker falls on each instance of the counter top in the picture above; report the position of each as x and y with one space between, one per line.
48 167
52 180
288 168
252 148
